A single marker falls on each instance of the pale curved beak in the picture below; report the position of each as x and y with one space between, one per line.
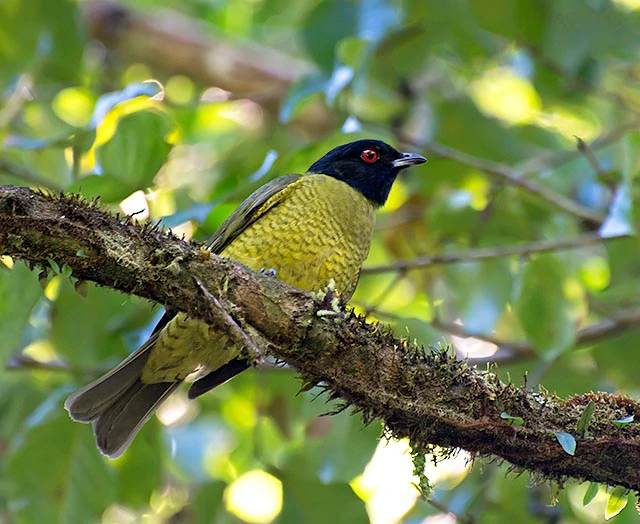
409 159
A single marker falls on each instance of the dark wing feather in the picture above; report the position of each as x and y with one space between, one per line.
218 376
248 212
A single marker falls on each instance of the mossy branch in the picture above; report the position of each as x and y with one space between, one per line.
426 395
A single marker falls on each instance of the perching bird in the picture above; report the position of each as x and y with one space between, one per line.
308 228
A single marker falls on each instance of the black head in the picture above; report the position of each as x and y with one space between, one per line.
370 166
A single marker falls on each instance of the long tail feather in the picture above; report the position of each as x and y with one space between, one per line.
118 403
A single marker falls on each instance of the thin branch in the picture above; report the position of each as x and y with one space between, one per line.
442 508
27 175
515 178
22 362
543 246
533 166
586 150
522 350
426 395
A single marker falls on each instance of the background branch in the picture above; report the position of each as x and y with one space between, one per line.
543 246
516 178
523 350
427 396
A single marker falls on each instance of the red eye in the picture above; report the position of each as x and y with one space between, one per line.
369 156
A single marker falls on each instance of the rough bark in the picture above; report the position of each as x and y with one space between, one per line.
424 394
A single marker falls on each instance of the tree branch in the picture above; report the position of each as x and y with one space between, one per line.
516 178
543 246
425 395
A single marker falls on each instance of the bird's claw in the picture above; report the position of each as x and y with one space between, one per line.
270 272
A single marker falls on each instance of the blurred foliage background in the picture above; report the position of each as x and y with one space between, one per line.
176 110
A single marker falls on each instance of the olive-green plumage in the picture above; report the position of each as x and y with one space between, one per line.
308 228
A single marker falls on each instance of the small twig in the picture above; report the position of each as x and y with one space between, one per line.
543 246
534 165
506 352
586 150
76 162
26 174
20 95
442 508
240 336
516 178
22 362
522 350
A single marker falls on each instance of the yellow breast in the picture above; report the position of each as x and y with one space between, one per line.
322 230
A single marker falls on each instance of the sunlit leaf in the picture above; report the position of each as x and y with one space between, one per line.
135 153
107 102
617 501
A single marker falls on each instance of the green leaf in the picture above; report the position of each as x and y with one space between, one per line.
19 293
325 25
623 421
140 470
617 501
206 503
64 45
299 93
542 307
341 454
585 419
514 421
71 485
481 293
137 150
567 442
54 265
313 502
20 25
590 494
88 343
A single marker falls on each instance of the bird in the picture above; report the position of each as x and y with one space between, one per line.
305 229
